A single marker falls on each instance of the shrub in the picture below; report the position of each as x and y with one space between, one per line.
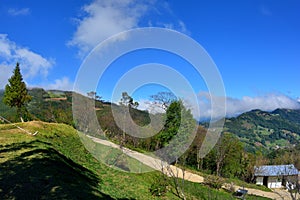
215 182
159 187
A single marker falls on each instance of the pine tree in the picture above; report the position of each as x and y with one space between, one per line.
16 94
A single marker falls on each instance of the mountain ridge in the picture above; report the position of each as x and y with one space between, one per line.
270 130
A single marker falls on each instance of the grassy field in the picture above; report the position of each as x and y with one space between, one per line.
55 165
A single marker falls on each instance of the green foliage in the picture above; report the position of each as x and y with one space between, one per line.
185 132
160 186
225 159
233 165
172 123
16 94
179 124
6 111
215 182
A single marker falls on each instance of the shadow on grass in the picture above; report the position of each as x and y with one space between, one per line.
21 145
44 173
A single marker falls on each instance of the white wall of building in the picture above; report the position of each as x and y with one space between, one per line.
274 182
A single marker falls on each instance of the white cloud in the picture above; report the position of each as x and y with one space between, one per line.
61 84
31 63
104 19
34 63
5 73
182 27
268 102
5 45
18 12
235 106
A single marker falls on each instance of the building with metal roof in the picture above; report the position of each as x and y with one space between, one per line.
275 176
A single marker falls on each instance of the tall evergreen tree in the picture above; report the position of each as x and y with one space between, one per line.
16 94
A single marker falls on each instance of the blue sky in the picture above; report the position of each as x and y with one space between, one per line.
254 43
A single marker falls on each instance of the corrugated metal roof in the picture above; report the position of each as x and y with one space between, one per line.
275 170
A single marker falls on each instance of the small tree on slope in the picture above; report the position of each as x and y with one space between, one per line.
16 94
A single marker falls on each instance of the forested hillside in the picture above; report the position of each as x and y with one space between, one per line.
270 130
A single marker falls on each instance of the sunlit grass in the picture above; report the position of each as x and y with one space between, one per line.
54 164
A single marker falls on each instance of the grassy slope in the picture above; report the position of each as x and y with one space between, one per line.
55 165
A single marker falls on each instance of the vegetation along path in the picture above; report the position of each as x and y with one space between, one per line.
158 164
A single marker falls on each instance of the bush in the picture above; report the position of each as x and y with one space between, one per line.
215 182
159 187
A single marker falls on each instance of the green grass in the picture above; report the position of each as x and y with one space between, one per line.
61 161
113 157
55 165
32 168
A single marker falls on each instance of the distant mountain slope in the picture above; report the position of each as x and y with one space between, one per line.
280 128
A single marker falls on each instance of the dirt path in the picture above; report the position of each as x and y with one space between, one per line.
157 164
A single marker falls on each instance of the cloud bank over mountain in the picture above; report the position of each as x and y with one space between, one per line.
235 106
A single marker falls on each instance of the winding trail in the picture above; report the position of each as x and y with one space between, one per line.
167 169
